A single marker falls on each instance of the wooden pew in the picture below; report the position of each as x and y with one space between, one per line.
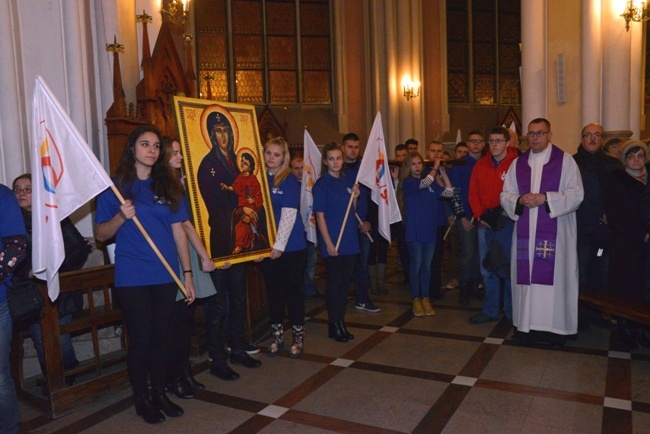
615 306
99 375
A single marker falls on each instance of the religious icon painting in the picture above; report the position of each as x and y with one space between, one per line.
226 179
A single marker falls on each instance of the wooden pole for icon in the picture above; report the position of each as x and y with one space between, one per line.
151 243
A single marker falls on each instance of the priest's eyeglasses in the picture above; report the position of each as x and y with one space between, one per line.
532 134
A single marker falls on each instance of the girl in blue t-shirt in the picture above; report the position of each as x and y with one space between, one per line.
283 270
181 382
421 204
331 196
145 290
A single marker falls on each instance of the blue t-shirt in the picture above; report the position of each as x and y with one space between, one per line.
136 264
351 170
11 224
287 195
459 177
331 196
421 210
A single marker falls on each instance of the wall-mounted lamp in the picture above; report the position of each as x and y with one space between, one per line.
411 89
177 11
637 11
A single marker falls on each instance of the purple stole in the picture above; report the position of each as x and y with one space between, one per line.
546 231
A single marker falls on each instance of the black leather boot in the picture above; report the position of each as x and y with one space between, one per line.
336 332
181 389
162 403
146 410
345 330
189 379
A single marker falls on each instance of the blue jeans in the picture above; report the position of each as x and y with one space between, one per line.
8 399
67 350
420 255
492 280
469 263
361 277
310 270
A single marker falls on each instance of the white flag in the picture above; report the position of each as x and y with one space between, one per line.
513 128
310 173
375 174
65 176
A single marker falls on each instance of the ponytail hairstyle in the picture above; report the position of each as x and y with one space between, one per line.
283 170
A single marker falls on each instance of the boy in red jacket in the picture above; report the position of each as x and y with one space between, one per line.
495 228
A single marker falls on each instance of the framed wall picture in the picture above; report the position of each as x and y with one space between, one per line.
226 178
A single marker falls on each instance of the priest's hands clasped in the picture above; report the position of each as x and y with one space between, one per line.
532 200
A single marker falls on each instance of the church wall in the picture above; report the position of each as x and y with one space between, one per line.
474 118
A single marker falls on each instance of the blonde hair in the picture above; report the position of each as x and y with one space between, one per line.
405 172
283 171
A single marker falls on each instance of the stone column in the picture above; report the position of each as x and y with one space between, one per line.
533 60
616 68
591 59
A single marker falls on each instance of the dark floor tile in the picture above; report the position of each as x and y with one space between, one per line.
616 421
253 425
475 366
307 387
619 379
436 419
332 424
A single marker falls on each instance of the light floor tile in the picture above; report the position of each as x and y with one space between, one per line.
273 411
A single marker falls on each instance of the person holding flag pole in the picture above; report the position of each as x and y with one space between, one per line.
374 173
331 192
145 292
67 175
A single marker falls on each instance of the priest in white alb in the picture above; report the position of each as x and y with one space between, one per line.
542 191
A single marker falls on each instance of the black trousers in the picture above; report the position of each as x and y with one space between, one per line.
233 282
180 335
147 311
283 277
339 271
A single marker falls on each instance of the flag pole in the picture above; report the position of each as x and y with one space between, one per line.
449 228
345 219
151 243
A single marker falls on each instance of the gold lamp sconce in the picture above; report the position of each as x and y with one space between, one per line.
637 11
411 89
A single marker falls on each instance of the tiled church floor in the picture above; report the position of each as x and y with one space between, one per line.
406 374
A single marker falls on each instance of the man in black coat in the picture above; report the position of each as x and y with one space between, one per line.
595 167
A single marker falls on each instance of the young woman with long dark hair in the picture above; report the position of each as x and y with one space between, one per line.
145 290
